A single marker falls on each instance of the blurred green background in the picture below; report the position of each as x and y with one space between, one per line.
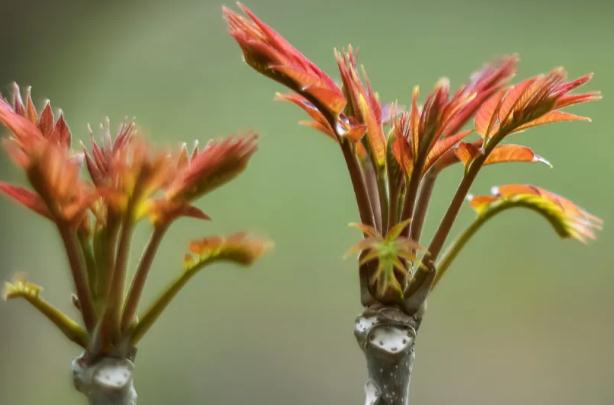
524 318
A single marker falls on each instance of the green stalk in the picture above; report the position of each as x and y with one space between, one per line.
154 311
71 329
138 282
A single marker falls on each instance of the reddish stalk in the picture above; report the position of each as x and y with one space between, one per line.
78 274
457 201
424 198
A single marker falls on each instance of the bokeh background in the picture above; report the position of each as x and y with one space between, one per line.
523 318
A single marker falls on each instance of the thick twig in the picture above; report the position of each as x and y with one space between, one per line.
387 338
107 381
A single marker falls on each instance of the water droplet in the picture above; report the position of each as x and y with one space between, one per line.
340 128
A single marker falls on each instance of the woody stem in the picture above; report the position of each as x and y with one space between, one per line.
387 338
105 381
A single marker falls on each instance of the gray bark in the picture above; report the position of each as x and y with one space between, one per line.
387 337
107 381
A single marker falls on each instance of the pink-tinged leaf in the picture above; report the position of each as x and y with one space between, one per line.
533 102
45 124
552 117
24 131
414 122
375 134
272 55
568 219
401 151
26 198
571 99
219 162
487 113
442 146
516 97
400 143
61 132
482 85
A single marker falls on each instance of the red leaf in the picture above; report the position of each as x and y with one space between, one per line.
26 198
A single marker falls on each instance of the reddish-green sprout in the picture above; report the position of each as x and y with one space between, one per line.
394 157
129 181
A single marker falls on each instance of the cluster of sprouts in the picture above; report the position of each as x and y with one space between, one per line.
96 196
394 156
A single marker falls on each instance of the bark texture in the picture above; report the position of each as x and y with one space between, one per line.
107 381
387 337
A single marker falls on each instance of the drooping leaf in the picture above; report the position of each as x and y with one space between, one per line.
569 220
21 288
239 248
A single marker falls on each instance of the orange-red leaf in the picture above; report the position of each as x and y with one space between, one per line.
239 248
272 55
552 117
26 198
487 113
533 102
501 154
219 162
375 133
442 146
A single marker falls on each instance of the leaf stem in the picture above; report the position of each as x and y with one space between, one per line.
426 190
138 282
110 328
71 329
358 183
461 241
154 311
78 274
450 216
